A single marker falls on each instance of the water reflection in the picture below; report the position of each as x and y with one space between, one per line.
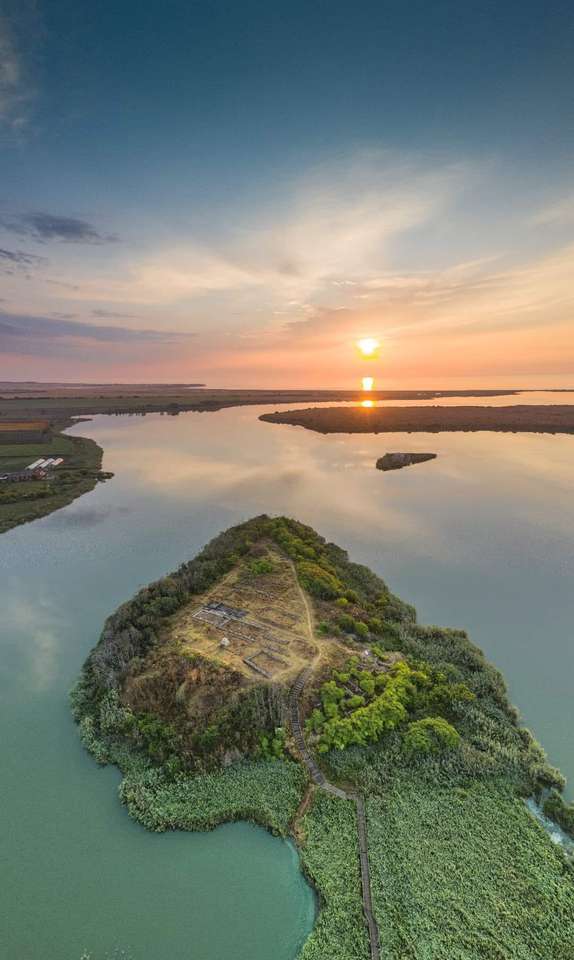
481 537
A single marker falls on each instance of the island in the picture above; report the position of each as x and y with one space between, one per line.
34 415
396 461
551 418
272 679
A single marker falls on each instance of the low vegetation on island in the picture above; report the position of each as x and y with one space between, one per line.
187 692
519 418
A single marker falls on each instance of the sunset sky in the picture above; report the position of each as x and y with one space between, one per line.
236 192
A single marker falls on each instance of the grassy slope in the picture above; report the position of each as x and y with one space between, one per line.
77 476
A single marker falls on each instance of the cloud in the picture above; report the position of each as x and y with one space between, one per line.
15 93
561 212
40 336
111 314
472 317
45 227
332 228
18 263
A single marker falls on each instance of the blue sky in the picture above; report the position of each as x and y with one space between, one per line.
255 185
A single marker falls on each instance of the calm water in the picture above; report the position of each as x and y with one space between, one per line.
482 538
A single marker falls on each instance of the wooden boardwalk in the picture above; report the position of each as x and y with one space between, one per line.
318 777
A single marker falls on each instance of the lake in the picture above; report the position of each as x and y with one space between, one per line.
480 538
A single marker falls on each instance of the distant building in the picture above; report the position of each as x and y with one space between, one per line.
22 476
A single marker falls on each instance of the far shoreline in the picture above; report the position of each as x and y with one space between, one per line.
430 419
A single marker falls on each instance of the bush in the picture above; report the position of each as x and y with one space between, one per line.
260 567
561 812
318 581
430 735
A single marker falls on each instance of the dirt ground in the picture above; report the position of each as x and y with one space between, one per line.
272 630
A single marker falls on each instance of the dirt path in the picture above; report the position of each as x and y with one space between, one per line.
308 615
318 777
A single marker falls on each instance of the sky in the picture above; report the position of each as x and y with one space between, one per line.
234 193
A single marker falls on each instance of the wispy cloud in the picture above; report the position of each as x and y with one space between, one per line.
15 92
113 315
45 227
560 212
40 336
11 260
335 224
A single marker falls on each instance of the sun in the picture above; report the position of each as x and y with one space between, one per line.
368 346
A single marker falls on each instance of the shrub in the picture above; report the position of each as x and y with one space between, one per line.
318 581
430 735
260 567
561 812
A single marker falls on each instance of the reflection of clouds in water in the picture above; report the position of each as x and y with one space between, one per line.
36 626
232 459
84 517
192 460
296 478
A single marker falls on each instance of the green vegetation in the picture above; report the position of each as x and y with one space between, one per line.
25 501
371 611
330 859
261 566
359 705
562 813
466 874
412 717
264 791
160 795
431 735
273 747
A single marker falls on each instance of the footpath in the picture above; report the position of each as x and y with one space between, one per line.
318 777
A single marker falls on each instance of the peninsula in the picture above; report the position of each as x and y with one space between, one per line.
27 494
515 419
272 679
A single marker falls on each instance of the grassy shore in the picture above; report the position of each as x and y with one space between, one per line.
25 501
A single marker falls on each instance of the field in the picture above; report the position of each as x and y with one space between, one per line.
21 429
16 456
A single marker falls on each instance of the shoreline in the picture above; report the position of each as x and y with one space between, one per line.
468 790
79 475
435 419
56 405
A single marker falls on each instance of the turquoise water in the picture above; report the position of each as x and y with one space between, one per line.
482 537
